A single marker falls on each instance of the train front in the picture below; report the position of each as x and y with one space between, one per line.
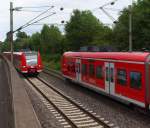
33 62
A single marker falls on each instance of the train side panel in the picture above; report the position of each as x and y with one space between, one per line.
130 82
92 72
69 67
122 80
40 64
23 64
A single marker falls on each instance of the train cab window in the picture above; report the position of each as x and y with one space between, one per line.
91 70
99 72
135 80
121 77
84 69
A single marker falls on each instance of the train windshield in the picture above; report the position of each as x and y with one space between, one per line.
31 58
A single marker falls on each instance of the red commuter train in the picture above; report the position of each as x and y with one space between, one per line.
124 76
26 62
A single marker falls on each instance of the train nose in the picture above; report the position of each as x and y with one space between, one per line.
32 69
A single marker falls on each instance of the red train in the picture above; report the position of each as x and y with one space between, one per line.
26 62
124 76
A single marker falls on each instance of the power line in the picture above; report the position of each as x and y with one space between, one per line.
38 16
50 24
36 21
28 23
113 9
113 19
109 3
106 13
36 6
31 11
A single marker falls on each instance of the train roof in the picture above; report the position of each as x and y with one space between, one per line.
20 53
127 56
17 53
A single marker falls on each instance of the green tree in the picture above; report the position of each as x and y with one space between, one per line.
35 41
21 35
22 41
140 26
51 39
5 46
83 28
104 37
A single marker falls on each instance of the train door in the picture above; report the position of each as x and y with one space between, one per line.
109 78
78 69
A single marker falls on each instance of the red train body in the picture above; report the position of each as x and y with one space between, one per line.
26 62
121 75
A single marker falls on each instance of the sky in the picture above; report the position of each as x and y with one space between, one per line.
22 17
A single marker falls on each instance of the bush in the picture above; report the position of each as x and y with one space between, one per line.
52 61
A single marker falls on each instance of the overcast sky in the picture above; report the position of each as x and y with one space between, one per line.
21 17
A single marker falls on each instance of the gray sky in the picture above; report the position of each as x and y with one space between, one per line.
21 17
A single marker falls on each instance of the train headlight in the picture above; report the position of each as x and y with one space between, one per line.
24 66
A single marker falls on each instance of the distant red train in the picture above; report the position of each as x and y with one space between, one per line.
26 62
124 76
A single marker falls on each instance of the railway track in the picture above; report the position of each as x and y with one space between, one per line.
53 72
58 74
70 114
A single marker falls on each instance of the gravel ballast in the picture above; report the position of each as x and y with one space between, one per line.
117 113
44 115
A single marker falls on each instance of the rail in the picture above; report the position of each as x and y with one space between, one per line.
74 114
55 73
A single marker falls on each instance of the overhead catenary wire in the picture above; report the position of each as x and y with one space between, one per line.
113 19
28 23
113 9
36 6
105 12
31 10
57 24
111 2
37 20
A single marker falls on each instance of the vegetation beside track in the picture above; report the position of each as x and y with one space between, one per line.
52 62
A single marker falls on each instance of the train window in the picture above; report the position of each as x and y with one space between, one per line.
31 58
111 75
78 67
84 69
135 79
99 72
91 70
107 74
121 77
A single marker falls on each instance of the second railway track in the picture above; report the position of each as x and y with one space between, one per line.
70 113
